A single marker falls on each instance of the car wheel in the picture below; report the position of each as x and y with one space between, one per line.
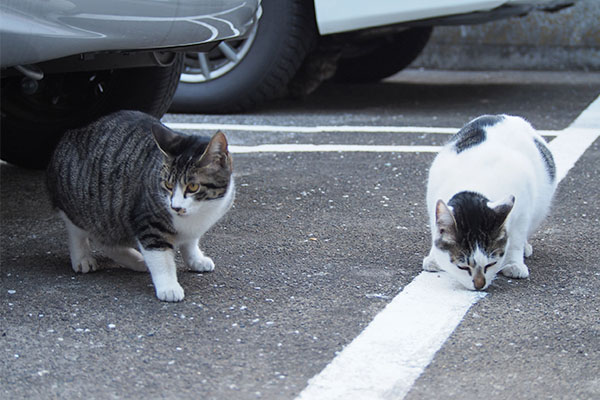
241 74
35 114
377 59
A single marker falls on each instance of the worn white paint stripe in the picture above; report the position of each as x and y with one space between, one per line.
570 144
321 129
317 148
590 118
390 354
385 360
309 129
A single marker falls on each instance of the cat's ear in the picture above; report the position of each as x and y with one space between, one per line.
503 207
444 220
216 151
167 141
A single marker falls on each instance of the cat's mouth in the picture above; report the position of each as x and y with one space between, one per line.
181 212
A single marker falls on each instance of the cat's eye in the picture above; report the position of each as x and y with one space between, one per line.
488 266
168 185
192 188
465 268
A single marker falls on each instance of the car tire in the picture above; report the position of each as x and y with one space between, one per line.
286 32
381 58
35 114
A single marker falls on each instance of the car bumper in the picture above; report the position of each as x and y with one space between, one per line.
35 31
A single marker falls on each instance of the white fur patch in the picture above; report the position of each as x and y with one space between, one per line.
200 216
507 163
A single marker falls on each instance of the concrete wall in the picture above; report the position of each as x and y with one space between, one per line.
566 40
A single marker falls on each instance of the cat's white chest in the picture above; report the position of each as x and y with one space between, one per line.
203 217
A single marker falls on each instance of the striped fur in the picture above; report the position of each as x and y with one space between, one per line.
111 181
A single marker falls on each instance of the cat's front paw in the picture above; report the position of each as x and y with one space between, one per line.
171 293
84 264
430 265
201 264
515 270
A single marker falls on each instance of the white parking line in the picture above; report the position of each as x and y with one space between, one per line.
390 354
321 129
570 144
385 360
309 129
314 148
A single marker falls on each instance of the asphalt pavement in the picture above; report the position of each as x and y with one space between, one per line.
316 245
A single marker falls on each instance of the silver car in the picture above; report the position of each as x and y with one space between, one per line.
66 62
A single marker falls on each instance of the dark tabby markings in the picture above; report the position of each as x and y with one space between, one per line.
162 227
201 196
547 157
105 177
193 166
212 186
477 225
473 133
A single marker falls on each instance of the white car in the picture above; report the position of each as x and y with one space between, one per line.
299 43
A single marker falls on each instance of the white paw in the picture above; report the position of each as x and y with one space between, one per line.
85 264
202 264
430 265
528 250
515 270
171 293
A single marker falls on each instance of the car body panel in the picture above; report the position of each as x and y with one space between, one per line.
32 31
358 14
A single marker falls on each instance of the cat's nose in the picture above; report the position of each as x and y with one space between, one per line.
479 282
179 210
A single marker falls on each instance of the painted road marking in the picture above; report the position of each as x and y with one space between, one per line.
309 129
385 360
317 148
313 148
322 129
390 354
570 144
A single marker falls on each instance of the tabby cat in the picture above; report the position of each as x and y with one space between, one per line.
489 189
140 191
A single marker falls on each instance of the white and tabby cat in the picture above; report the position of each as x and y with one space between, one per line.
489 189
140 190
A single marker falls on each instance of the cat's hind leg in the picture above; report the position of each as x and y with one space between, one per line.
429 263
82 259
194 258
127 257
